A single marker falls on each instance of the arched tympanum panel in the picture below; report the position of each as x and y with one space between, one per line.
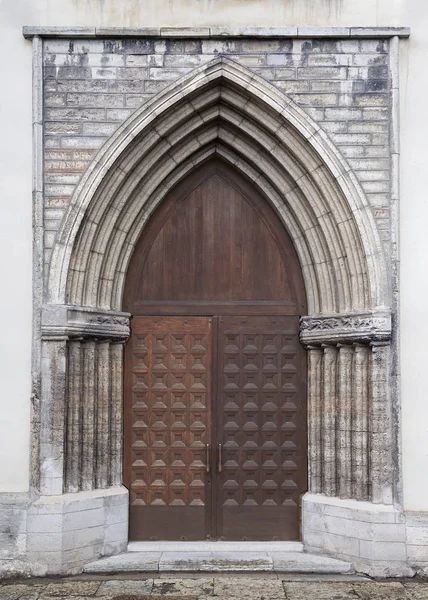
215 376
214 240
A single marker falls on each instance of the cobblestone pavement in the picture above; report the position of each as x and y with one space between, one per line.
224 587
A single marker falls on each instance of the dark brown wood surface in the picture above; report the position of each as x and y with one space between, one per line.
215 242
213 251
168 427
261 426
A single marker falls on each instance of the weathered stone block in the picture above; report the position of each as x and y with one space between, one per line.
118 114
98 129
96 100
321 73
82 142
386 551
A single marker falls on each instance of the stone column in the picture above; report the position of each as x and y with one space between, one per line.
74 417
349 408
53 415
380 425
360 423
328 420
88 416
116 425
343 430
103 414
315 357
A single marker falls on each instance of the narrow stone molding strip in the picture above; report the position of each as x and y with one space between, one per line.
216 32
334 329
82 321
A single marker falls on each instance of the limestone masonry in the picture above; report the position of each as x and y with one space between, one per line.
311 117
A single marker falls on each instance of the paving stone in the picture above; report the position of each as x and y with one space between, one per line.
319 591
17 591
248 588
115 587
150 597
416 590
201 586
43 597
71 588
380 591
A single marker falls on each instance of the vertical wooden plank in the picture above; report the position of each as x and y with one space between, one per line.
88 415
103 414
73 435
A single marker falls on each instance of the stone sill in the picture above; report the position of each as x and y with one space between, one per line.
216 32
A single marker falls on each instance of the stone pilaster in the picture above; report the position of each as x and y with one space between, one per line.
380 425
328 421
116 423
315 357
103 414
349 409
88 416
344 421
74 417
52 415
360 423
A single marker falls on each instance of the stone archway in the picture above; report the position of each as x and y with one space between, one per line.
224 109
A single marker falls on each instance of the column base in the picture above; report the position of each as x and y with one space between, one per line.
58 535
371 536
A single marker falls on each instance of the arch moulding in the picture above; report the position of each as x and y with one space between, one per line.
225 110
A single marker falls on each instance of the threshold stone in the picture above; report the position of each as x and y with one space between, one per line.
219 561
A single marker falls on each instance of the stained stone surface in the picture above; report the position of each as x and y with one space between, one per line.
380 591
18 591
201 586
416 591
115 587
218 587
319 591
269 589
72 588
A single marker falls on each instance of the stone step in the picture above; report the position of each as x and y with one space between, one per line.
215 546
219 561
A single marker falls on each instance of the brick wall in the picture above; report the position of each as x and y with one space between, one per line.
92 86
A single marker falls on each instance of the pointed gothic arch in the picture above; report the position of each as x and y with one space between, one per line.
222 108
226 110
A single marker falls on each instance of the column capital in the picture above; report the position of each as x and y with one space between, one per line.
368 327
77 322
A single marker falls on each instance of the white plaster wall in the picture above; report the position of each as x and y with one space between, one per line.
414 257
15 175
15 250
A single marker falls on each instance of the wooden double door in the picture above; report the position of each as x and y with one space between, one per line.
215 376
218 430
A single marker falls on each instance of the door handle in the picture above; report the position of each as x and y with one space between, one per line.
220 459
207 466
